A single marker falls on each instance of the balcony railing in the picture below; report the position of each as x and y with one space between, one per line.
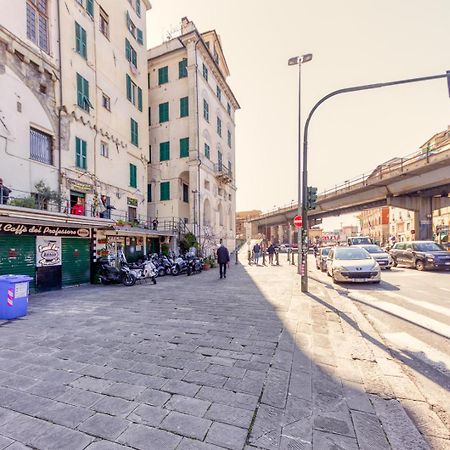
42 202
223 173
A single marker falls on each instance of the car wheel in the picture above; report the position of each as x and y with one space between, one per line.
161 272
420 265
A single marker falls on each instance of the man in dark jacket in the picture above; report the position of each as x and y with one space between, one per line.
4 193
223 258
271 251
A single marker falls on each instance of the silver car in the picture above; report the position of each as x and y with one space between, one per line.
384 259
352 264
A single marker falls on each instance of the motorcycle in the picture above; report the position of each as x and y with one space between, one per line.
144 270
180 266
195 265
110 274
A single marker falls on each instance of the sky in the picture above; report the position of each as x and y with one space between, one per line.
353 42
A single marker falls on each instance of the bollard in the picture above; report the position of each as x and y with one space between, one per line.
249 258
289 256
264 258
293 258
237 257
277 258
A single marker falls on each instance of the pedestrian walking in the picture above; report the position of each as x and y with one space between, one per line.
223 258
271 252
4 193
257 252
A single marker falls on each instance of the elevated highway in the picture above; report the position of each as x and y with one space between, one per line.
419 182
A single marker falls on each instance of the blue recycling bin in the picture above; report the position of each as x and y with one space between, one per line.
14 296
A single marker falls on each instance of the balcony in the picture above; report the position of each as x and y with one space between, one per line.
223 173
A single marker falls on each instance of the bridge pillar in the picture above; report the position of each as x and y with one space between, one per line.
280 234
290 234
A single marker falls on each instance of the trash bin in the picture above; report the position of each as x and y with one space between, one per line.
13 296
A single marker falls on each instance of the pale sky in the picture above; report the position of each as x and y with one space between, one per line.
353 42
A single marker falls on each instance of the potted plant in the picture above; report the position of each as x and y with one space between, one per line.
120 223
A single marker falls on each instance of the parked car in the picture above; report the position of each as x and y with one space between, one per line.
352 264
382 257
284 248
420 254
321 258
359 240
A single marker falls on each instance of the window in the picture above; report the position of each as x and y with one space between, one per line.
83 93
207 185
229 109
104 149
163 75
164 151
80 40
37 23
219 160
130 53
104 23
207 151
219 93
149 116
138 7
182 68
150 154
185 193
41 146
163 112
135 32
229 168
133 176
134 133
80 153
229 138
164 191
134 93
90 7
184 147
205 72
106 102
219 127
140 36
206 110
149 193
184 107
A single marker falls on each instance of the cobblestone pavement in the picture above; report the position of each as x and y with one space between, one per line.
198 363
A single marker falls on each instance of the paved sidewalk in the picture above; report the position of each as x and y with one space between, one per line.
202 363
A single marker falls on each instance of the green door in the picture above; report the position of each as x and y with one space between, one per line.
18 256
76 261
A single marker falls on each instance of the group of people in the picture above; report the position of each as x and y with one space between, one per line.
257 252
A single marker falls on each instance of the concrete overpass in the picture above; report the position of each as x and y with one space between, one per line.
419 182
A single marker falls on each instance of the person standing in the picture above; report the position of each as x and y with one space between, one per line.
223 258
257 252
271 252
4 193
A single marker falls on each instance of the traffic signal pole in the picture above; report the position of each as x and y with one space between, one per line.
304 213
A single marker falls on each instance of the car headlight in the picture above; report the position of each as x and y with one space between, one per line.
430 257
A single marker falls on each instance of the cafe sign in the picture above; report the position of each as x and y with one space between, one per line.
41 230
48 251
132 201
79 186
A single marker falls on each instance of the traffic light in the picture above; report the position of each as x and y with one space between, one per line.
311 200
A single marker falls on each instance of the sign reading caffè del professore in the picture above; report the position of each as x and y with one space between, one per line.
42 230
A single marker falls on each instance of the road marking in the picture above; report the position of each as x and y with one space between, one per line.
425 305
404 313
429 355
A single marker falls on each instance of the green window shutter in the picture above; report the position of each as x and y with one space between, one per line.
184 107
134 133
83 43
165 191
80 102
133 176
219 127
182 68
149 193
128 87
84 154
140 36
138 7
229 138
184 147
205 72
206 110
163 75
207 152
127 49
80 153
163 112
164 151
77 152
90 7
139 99
86 93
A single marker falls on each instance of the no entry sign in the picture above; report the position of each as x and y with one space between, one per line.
298 221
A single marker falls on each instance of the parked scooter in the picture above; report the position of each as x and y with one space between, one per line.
144 270
110 274
195 265
180 266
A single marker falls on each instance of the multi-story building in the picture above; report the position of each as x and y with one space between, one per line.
375 224
401 223
73 134
192 136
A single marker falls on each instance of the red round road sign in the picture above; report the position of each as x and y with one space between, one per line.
298 221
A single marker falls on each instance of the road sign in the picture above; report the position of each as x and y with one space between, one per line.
298 221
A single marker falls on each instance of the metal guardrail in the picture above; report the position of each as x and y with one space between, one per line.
381 171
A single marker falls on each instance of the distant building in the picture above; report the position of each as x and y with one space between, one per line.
192 172
401 224
241 218
375 224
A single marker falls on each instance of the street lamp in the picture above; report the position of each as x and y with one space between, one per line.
303 231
